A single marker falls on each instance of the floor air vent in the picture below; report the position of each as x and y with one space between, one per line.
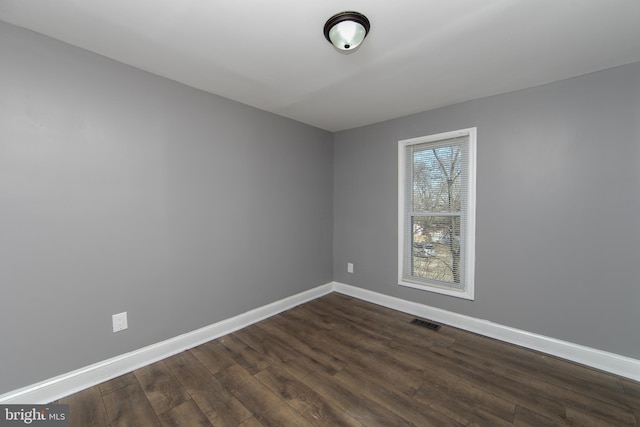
425 324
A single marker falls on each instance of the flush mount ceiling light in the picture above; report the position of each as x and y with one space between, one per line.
346 30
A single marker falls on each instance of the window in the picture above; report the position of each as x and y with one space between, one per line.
436 219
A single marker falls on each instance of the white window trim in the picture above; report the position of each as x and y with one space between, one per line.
469 259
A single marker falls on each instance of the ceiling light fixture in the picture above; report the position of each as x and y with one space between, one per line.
346 30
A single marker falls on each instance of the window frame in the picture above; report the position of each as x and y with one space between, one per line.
468 244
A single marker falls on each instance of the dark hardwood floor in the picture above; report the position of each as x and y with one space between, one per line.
339 361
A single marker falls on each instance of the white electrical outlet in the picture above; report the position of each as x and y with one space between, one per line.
349 267
120 322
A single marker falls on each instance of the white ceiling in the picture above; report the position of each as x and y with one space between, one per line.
419 55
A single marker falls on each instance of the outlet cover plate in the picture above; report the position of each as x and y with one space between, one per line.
120 322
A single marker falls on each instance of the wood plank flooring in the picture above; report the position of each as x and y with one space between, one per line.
339 361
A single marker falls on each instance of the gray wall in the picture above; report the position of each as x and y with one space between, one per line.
124 191
558 208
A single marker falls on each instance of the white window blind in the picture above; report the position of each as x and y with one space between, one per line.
437 212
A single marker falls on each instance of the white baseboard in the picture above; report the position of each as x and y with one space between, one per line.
69 383
63 385
605 361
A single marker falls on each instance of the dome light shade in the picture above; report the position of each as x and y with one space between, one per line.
346 30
